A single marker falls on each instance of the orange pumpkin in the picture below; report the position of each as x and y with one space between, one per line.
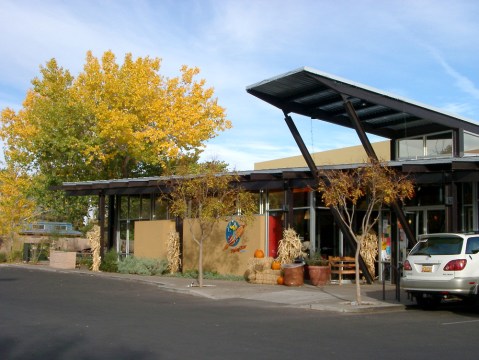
259 253
280 280
276 265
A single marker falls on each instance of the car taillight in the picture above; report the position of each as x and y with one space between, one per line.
407 266
455 265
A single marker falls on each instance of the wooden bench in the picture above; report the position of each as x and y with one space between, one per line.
344 265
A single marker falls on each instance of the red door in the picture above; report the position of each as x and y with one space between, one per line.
275 234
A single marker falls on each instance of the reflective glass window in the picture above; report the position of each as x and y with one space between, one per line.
161 209
276 199
471 144
145 207
439 145
134 207
300 197
411 148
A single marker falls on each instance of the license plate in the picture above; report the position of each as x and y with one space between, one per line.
426 268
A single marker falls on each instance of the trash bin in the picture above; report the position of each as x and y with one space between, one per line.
293 274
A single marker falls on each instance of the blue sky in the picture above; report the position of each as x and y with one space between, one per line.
424 50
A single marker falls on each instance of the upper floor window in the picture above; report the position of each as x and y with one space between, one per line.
428 146
471 144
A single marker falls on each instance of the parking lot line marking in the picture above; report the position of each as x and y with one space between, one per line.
460 322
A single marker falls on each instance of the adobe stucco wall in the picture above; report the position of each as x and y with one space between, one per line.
151 238
217 256
346 155
63 259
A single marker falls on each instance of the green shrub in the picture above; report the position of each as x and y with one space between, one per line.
109 262
3 257
41 252
15 256
84 260
142 266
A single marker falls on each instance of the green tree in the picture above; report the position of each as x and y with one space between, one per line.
202 195
367 189
111 121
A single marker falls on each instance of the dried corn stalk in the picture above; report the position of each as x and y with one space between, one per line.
369 252
173 254
93 237
289 247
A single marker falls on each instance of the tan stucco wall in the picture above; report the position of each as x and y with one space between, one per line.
347 155
218 257
151 238
64 244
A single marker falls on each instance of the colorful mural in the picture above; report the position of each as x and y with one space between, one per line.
234 231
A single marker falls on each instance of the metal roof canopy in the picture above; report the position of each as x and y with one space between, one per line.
318 95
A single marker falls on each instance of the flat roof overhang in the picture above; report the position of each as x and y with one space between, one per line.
318 95
427 171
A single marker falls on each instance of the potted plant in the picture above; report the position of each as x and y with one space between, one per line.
289 250
318 269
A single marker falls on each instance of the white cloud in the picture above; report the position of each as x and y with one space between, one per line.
461 81
457 108
237 43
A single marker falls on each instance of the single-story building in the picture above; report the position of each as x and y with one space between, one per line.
438 150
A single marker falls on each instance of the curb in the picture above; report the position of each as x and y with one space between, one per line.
328 300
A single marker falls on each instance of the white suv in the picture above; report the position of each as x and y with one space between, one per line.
441 266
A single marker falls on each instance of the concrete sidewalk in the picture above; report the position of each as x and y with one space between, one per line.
333 297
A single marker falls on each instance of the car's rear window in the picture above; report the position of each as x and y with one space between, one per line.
447 245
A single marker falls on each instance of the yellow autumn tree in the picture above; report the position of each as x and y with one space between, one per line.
16 207
141 117
365 189
113 120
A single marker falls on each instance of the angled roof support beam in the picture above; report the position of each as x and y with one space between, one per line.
302 147
314 171
359 128
372 154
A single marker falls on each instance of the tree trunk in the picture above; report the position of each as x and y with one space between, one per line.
356 263
124 167
200 263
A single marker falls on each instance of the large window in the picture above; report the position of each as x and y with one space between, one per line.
132 208
411 148
471 144
439 145
429 146
276 200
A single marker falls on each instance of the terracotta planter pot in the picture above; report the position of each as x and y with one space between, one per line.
293 274
319 275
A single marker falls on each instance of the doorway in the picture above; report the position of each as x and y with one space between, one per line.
426 220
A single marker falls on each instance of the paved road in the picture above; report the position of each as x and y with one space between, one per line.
53 315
